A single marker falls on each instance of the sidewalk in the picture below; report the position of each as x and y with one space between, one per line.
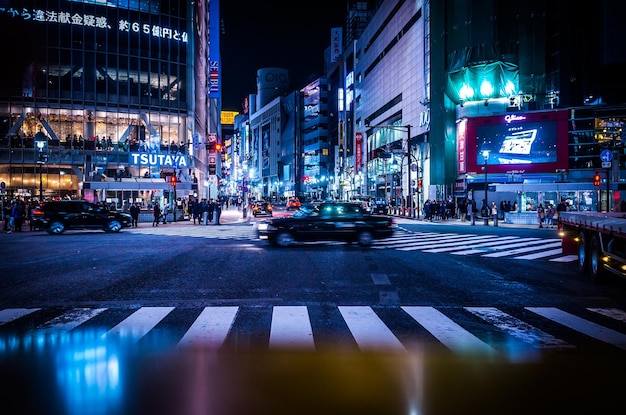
230 216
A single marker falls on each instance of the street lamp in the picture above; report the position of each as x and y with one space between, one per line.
41 144
486 157
61 174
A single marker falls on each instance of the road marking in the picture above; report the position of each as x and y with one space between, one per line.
291 327
541 254
566 258
210 328
588 328
469 243
496 245
614 313
138 324
11 314
523 250
452 335
368 330
70 320
381 279
517 328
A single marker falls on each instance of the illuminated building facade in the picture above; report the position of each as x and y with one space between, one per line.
115 92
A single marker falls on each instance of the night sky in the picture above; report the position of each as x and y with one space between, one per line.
274 33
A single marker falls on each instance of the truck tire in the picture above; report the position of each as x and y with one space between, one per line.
596 270
583 254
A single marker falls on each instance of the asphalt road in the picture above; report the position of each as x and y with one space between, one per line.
474 310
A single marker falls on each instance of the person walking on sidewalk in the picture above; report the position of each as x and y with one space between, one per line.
157 214
541 214
134 213
494 213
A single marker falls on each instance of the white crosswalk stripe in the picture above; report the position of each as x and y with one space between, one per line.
292 327
583 326
210 328
490 246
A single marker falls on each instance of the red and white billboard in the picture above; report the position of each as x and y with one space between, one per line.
535 142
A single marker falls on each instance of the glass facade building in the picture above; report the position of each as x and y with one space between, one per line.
94 82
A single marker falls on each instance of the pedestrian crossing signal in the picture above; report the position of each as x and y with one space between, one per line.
596 179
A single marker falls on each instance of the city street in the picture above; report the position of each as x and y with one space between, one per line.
435 292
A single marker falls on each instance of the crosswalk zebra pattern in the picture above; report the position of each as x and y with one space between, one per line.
489 246
370 328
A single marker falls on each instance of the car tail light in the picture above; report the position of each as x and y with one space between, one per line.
36 212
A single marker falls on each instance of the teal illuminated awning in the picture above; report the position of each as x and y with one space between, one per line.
483 81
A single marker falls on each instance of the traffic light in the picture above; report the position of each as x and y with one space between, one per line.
596 179
218 147
173 180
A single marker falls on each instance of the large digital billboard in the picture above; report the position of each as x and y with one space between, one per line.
533 142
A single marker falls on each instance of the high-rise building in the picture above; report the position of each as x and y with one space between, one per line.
104 100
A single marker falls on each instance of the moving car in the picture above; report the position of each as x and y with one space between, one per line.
261 208
328 221
57 216
293 203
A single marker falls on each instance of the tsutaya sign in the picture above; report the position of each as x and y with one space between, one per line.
157 159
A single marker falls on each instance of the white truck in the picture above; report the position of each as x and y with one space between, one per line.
599 239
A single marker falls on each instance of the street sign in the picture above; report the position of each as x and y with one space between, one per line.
606 164
386 155
606 155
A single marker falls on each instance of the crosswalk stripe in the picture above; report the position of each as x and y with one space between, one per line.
496 245
447 331
542 254
210 328
517 328
139 323
11 314
368 330
523 250
614 313
588 328
566 258
291 328
474 242
70 320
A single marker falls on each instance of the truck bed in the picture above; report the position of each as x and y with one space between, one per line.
605 222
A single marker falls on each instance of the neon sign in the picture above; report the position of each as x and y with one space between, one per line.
98 22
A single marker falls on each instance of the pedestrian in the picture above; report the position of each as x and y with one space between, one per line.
473 211
211 208
157 214
550 211
541 215
205 211
494 213
217 211
134 213
462 210
197 212
166 209
17 216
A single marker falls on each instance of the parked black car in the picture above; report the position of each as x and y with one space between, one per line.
57 216
328 221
